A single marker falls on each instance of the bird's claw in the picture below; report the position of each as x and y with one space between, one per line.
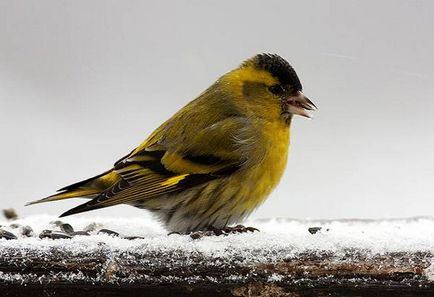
224 231
240 229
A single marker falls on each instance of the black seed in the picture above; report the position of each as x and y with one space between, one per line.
10 214
67 228
133 237
27 231
313 230
108 232
7 235
45 234
80 233
60 235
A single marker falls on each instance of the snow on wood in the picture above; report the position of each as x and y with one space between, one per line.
298 257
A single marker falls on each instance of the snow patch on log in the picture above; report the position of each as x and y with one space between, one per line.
375 236
392 253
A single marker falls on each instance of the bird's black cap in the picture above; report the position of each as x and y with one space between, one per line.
279 68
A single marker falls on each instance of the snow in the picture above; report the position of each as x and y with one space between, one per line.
277 236
377 236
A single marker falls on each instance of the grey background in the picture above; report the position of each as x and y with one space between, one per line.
84 82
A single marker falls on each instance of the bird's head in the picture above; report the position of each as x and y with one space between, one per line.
269 86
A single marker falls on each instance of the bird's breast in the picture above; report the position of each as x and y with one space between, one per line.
263 177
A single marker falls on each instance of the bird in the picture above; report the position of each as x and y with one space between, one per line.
214 161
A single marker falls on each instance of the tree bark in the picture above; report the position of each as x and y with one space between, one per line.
105 272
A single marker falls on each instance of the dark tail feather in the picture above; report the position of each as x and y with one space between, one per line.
78 193
81 208
89 205
89 188
75 186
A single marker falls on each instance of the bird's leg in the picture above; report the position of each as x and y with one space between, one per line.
212 231
239 229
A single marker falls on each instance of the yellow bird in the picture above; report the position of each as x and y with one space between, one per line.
213 162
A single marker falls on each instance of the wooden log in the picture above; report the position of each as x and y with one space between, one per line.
288 258
65 271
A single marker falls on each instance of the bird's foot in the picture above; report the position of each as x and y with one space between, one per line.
223 231
237 229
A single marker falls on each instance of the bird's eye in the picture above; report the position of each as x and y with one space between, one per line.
276 89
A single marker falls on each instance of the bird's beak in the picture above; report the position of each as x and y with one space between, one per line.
300 104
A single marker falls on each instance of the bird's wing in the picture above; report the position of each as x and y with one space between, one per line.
166 164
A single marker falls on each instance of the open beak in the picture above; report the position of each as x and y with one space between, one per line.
300 104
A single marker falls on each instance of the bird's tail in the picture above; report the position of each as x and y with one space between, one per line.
88 188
